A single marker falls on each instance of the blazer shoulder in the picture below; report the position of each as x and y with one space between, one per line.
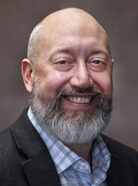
6 138
7 144
126 154
119 148
124 163
8 149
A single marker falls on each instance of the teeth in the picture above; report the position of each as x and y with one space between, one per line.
79 99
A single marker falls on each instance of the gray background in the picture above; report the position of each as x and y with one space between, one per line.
120 20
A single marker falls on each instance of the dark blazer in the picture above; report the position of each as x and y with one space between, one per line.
25 161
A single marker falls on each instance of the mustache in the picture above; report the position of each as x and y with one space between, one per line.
80 90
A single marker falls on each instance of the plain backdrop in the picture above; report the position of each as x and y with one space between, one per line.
120 20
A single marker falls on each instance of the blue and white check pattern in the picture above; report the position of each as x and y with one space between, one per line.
72 169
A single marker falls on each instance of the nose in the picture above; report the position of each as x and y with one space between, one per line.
81 76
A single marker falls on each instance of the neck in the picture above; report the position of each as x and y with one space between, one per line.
83 150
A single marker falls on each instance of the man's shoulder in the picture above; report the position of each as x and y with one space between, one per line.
5 135
5 140
9 158
124 163
7 143
116 146
120 150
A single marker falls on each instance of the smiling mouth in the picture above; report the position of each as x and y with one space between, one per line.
80 99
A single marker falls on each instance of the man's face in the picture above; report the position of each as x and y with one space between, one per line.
75 64
69 61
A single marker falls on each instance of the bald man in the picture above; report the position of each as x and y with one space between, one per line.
57 140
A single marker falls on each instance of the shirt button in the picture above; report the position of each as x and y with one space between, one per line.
82 166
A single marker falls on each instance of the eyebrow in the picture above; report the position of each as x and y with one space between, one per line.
106 53
64 50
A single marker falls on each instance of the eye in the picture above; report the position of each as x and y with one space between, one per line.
98 62
63 65
63 62
97 65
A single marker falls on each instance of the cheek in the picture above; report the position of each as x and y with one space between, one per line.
51 83
104 82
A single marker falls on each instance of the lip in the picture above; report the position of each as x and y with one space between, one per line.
67 104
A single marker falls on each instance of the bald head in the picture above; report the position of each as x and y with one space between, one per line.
61 22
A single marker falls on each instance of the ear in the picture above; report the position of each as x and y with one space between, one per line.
112 64
112 61
27 74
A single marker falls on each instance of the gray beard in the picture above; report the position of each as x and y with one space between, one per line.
74 126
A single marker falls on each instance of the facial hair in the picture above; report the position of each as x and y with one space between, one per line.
74 126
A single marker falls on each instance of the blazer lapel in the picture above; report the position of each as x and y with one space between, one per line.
119 172
114 176
37 165
40 172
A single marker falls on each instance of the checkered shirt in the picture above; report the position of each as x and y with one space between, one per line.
72 169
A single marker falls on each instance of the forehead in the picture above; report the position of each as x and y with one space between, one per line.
72 31
81 46
74 39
